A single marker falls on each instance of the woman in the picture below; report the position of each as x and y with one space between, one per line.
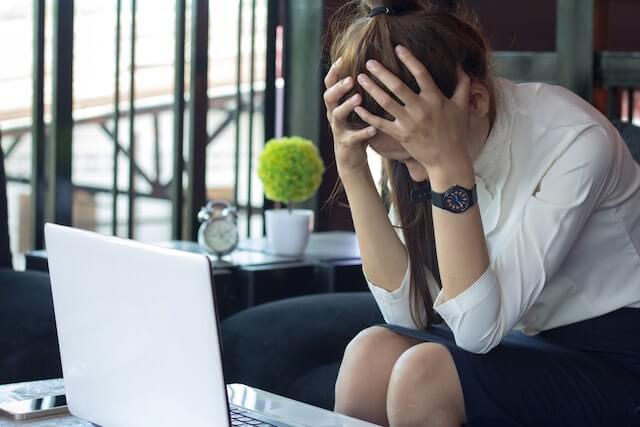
512 285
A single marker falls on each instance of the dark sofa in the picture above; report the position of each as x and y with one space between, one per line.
294 347
28 339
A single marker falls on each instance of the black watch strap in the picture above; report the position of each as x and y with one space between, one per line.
421 194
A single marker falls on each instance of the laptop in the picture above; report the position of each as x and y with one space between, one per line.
139 340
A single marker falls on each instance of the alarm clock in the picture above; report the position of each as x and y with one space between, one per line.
218 232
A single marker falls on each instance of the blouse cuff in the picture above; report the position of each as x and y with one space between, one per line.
473 296
399 295
395 306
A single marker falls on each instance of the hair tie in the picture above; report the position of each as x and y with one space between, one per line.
384 10
389 10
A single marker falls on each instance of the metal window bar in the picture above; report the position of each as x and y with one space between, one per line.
14 144
236 172
157 162
199 106
37 128
178 123
132 128
273 20
116 120
118 146
286 63
60 189
252 94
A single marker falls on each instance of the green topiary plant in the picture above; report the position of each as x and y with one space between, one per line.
290 169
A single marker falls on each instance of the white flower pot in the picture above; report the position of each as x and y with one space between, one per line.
288 232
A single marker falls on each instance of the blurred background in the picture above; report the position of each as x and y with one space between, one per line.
125 116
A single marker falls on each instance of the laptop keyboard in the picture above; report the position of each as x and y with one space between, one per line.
241 418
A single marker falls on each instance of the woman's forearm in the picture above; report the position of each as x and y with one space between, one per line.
384 257
460 242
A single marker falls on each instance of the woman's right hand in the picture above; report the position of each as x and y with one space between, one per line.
349 145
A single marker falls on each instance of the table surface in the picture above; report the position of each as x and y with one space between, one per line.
322 247
34 390
240 395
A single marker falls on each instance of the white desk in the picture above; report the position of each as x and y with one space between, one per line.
240 395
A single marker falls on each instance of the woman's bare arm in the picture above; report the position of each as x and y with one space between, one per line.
434 130
384 257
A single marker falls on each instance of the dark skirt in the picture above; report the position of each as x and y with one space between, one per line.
585 374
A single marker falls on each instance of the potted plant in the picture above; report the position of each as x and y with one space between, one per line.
290 169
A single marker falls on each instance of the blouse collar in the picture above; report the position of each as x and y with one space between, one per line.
494 163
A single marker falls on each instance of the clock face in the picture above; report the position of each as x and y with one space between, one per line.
457 200
220 236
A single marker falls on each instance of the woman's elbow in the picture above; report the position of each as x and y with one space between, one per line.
473 345
478 339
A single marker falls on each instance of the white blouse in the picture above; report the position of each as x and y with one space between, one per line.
559 196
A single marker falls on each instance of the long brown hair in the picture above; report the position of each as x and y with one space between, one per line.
442 35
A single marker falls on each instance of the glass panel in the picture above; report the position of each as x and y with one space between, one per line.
94 76
222 84
16 39
94 91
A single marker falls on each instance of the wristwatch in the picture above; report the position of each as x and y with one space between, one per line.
456 199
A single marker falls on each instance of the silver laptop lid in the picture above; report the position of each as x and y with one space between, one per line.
138 333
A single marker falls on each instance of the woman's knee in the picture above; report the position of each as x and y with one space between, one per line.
364 356
373 347
368 340
424 380
426 359
365 370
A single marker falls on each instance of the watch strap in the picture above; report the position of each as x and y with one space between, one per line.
421 194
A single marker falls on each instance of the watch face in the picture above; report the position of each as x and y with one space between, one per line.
220 236
457 199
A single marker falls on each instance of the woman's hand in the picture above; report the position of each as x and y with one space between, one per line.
432 128
350 146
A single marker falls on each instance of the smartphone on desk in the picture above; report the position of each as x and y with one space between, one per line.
35 408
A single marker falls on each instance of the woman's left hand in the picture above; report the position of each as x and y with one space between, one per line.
432 128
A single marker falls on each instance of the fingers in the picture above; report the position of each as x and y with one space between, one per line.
392 82
461 95
341 112
418 70
332 76
379 123
334 94
361 135
383 99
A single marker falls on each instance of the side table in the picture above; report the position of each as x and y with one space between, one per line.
251 276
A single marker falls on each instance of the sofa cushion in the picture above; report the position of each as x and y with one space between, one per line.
631 136
276 346
28 338
313 385
5 254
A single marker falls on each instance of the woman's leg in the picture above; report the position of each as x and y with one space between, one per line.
361 388
424 389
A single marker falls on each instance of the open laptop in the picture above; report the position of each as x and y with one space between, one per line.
139 340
